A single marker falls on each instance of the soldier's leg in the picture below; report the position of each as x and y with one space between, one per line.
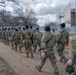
39 67
20 47
16 46
7 41
53 61
60 49
39 43
63 59
35 46
31 52
27 49
27 53
12 43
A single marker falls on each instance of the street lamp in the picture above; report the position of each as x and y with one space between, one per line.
60 17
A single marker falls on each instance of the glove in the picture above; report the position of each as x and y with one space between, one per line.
70 62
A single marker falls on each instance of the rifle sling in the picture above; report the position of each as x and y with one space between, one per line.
49 39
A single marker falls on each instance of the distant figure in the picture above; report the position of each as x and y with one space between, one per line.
37 39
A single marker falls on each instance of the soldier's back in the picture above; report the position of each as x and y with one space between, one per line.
49 40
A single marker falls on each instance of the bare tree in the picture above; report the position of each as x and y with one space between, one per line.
27 14
23 12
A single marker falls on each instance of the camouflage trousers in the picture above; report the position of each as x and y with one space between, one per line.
21 46
17 44
36 43
52 58
28 47
60 49
7 41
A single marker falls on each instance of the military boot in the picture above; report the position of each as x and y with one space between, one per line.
31 55
27 55
38 68
56 73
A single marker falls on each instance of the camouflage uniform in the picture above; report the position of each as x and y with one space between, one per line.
7 36
49 52
4 36
22 44
11 38
28 44
62 40
17 39
72 52
37 40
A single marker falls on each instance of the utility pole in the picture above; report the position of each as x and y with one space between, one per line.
60 17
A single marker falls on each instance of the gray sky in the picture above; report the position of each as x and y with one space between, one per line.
46 10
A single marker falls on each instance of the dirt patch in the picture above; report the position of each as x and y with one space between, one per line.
5 69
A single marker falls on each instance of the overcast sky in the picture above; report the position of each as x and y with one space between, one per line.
46 10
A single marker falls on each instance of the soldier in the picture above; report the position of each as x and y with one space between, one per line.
37 39
28 44
17 38
7 36
22 41
31 31
11 37
62 40
72 52
47 44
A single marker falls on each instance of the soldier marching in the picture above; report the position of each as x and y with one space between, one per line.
34 39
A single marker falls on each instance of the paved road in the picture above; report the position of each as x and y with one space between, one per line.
26 66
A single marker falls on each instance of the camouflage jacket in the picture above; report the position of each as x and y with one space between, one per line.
51 43
63 37
73 47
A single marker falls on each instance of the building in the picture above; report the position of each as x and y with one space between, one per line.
68 16
73 17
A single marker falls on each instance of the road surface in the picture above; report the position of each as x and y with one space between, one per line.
26 66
